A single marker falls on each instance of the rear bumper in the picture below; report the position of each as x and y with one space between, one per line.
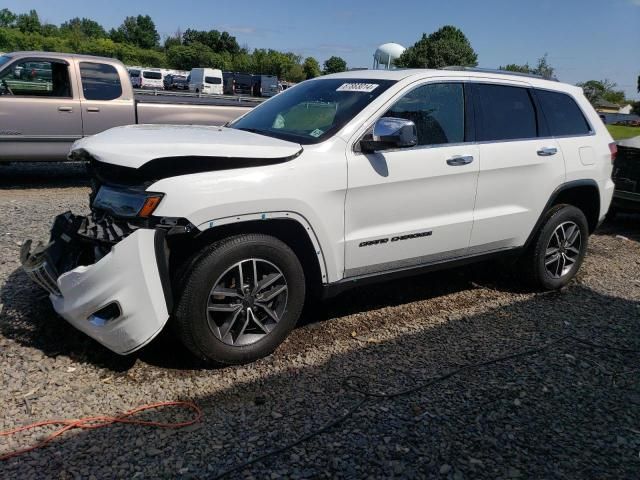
121 300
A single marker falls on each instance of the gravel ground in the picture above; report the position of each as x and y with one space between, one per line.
569 411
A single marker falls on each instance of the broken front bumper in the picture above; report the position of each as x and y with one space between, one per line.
122 300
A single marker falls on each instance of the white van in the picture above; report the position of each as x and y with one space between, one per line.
151 79
206 80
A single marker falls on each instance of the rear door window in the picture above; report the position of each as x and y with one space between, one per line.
562 114
100 81
506 113
437 109
213 80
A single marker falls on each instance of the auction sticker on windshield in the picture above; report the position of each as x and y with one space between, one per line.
357 87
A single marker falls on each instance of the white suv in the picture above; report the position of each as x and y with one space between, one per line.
338 181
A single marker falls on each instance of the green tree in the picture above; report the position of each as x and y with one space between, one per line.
295 73
514 67
445 47
186 57
334 65
28 22
139 31
216 41
7 18
172 41
598 90
84 26
311 68
542 68
49 30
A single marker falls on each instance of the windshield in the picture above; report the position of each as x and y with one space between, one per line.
312 111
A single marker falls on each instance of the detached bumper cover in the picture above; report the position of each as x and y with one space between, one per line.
120 300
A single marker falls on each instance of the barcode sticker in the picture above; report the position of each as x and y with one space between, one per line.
357 87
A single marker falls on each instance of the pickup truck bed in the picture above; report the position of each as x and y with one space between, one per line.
49 100
188 110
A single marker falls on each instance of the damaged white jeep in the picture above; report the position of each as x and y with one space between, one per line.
338 181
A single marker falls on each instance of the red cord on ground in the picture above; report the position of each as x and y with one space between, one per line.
88 423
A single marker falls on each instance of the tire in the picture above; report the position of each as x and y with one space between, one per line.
542 268
236 325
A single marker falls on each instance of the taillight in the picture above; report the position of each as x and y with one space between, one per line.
613 148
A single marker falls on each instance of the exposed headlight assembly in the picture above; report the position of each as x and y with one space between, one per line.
127 203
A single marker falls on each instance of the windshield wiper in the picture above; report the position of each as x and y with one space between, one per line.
253 130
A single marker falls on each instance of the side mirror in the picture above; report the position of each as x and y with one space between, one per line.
390 132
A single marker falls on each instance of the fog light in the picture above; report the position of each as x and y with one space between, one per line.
106 314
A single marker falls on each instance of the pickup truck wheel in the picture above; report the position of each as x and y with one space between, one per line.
558 249
240 299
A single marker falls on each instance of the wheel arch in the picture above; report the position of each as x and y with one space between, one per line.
291 228
582 194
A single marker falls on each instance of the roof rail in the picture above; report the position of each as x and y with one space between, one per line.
496 70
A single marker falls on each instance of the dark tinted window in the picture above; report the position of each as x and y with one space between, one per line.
562 113
134 73
100 81
506 113
437 109
36 79
213 80
152 75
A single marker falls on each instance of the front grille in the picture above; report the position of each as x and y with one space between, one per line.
104 228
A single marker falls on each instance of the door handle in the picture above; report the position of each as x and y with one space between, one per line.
459 160
547 151
65 109
93 109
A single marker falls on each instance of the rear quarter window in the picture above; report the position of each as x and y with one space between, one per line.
562 113
506 113
213 80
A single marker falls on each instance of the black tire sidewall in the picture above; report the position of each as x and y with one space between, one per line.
200 280
557 216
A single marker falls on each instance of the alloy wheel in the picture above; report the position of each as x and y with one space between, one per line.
247 301
563 249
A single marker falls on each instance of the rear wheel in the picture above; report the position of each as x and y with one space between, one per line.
241 299
558 249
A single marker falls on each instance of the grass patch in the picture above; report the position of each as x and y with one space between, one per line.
620 132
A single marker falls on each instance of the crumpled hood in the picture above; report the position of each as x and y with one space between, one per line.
135 145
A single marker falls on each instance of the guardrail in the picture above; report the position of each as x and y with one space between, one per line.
175 93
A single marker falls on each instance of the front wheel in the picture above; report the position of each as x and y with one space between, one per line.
240 299
558 249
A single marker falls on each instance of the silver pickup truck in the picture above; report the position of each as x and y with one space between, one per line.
49 100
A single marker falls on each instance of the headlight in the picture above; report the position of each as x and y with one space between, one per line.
127 203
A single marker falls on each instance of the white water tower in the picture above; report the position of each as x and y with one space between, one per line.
386 54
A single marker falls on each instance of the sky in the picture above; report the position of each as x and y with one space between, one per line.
584 39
